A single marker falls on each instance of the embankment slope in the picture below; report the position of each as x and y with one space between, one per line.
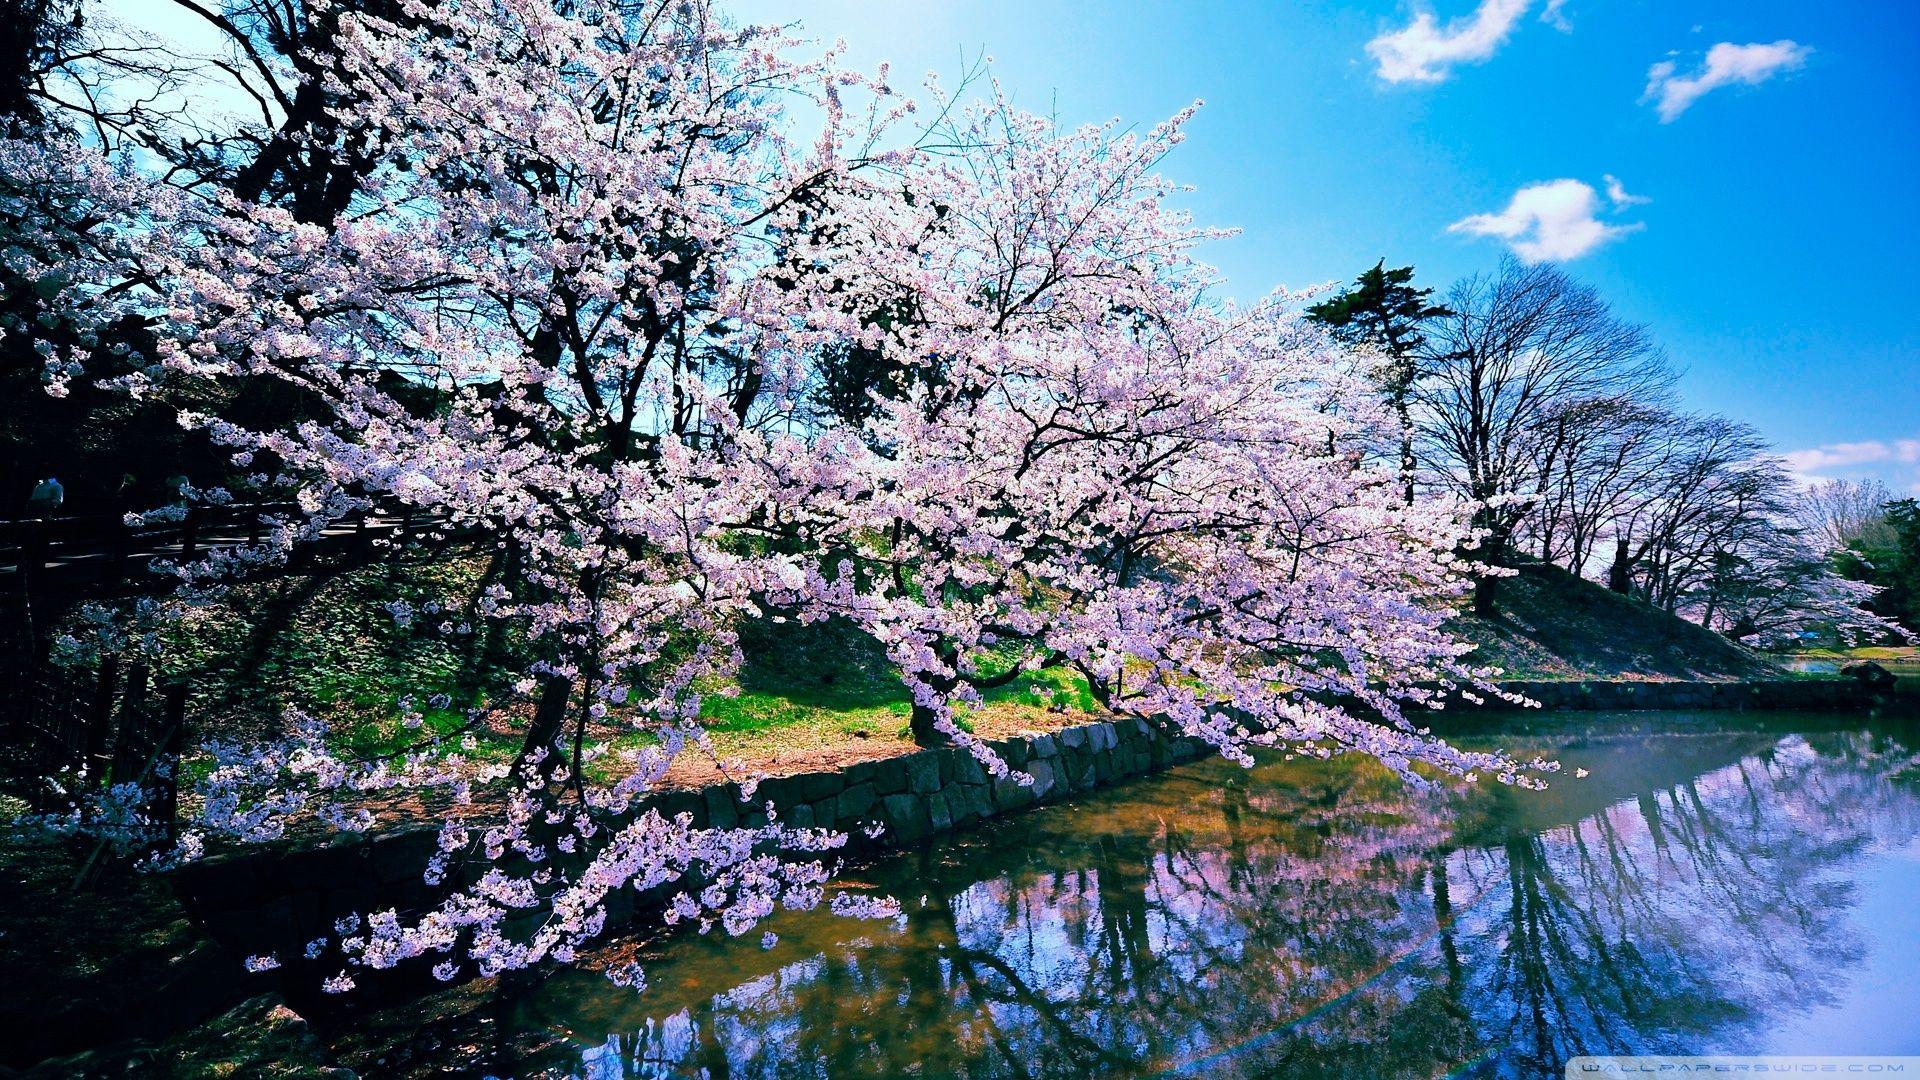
1554 625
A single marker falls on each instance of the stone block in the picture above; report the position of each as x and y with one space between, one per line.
221 883
855 802
980 800
319 867
923 772
906 818
272 927
402 856
1045 746
939 813
1011 794
671 804
967 768
723 805
1083 777
961 802
1015 752
310 914
890 775
819 785
1043 778
786 790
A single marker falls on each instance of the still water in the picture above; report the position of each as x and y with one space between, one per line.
1715 884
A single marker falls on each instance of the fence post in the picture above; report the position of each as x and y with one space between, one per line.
122 550
33 550
33 568
99 748
166 802
133 712
190 535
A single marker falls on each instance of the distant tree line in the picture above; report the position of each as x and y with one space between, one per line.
1524 394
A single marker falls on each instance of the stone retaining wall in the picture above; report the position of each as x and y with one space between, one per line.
275 900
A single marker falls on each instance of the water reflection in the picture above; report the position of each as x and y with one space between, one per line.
1316 919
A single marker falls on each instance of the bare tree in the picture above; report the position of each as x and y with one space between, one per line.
1602 475
1838 514
1526 365
1716 489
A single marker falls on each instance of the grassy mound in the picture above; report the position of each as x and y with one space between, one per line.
1555 625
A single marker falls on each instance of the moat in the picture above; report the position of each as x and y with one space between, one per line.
1714 883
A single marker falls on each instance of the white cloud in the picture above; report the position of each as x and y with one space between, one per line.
1617 194
1424 51
1808 463
1555 17
1727 64
1551 221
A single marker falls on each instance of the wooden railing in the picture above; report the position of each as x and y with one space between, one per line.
105 549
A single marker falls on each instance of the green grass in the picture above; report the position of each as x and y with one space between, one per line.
1904 654
383 737
834 675
332 648
803 703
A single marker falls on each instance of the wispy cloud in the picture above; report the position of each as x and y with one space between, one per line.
1556 16
1550 221
1618 196
1810 463
1727 64
1426 52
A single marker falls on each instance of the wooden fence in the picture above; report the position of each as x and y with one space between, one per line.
65 732
73 733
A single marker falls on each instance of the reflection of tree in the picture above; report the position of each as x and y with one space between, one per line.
1131 934
1682 917
1319 915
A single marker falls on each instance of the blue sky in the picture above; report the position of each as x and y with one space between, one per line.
1771 259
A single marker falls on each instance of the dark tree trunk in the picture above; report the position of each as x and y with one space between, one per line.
1485 589
548 718
921 723
924 731
1620 574
1407 463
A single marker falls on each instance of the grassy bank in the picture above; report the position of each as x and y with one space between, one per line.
1554 625
1882 654
806 697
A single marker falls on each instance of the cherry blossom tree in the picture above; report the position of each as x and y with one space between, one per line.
585 295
